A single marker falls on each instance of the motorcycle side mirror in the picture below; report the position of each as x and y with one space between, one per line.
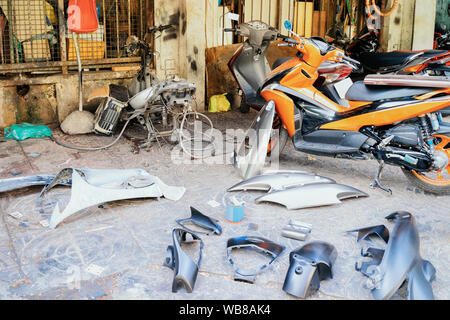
287 25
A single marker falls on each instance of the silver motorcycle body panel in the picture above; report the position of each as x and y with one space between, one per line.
283 171
250 164
402 261
312 195
95 186
23 182
274 182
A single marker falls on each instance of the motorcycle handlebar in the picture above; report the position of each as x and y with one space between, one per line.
229 30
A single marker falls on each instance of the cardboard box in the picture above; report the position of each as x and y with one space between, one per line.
88 49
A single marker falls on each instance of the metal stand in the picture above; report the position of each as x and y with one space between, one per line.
80 72
377 181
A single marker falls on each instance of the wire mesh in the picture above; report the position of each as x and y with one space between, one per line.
30 30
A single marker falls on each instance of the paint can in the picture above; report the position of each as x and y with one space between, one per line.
235 210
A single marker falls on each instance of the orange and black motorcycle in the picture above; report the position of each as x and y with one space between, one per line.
398 125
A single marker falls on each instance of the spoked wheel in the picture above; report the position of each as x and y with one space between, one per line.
194 134
437 181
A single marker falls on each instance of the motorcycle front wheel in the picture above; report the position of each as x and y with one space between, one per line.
438 181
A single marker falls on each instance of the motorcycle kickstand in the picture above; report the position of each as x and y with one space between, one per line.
377 181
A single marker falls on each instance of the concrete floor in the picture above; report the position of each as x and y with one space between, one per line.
128 239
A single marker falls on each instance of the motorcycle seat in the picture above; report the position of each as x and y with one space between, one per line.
386 60
361 92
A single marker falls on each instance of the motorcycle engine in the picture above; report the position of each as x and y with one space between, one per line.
177 92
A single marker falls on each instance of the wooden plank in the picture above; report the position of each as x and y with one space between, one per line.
295 19
62 34
409 24
286 13
323 23
315 23
247 10
330 7
301 18
308 19
423 26
265 8
126 68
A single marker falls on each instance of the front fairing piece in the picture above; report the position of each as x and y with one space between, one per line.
95 186
250 164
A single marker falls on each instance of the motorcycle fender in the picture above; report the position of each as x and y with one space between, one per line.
275 182
309 265
312 195
250 164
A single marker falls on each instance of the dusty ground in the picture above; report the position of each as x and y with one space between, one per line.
128 239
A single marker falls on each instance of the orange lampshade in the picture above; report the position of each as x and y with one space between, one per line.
82 16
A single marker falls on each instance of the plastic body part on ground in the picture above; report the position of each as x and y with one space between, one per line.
201 220
308 266
185 269
275 182
402 261
312 195
95 186
258 243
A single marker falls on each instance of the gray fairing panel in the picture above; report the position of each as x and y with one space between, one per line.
185 269
251 163
271 182
312 195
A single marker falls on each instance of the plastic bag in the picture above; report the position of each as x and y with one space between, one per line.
26 130
219 103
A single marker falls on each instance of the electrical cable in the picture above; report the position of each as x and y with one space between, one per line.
93 148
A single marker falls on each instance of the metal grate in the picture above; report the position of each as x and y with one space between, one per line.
34 35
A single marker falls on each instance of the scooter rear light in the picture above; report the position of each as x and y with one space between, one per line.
414 69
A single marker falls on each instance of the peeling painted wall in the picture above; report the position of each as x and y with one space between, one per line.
53 99
410 26
182 49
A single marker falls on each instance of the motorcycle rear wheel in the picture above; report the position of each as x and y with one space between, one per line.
438 181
